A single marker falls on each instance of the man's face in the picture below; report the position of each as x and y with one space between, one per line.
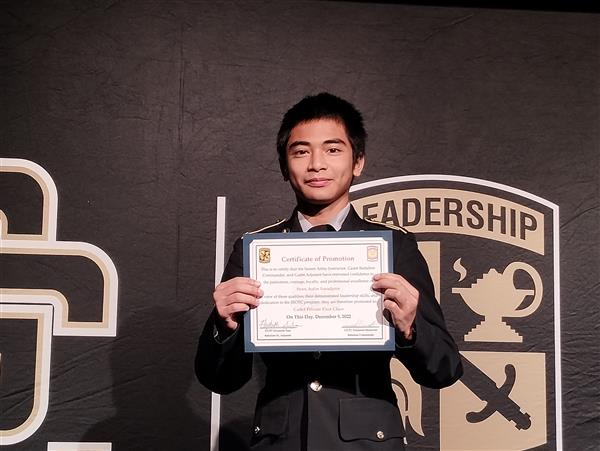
320 163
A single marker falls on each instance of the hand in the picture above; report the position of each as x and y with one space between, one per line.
400 300
235 296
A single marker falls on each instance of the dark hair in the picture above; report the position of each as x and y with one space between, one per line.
322 106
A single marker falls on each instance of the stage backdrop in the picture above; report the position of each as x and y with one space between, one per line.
122 122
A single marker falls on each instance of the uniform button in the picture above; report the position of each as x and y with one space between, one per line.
256 430
317 355
380 435
315 386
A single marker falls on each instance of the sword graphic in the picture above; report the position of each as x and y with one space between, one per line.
497 399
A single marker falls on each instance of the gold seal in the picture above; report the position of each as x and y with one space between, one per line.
264 255
372 253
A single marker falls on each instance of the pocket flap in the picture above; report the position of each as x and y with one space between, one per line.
369 419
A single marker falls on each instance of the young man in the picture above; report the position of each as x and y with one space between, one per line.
331 400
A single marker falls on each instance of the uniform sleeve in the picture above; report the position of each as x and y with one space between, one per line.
432 357
221 364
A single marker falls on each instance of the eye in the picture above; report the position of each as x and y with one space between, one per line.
298 152
334 150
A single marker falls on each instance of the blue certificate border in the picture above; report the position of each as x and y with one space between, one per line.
249 346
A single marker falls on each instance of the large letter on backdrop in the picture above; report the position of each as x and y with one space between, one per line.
48 308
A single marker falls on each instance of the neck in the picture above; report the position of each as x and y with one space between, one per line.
321 214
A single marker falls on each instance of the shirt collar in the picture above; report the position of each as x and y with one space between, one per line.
336 222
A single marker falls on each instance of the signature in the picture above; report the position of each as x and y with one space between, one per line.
272 324
361 324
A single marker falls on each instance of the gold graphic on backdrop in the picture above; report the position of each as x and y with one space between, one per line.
49 307
408 393
501 394
494 296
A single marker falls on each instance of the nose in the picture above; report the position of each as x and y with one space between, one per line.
317 161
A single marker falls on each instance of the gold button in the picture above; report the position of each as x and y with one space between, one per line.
315 386
317 355
256 430
380 435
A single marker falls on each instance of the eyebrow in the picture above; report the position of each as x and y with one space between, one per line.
327 141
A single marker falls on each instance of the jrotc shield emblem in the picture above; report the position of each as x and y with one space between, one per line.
493 254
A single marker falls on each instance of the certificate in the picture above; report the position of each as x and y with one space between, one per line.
317 291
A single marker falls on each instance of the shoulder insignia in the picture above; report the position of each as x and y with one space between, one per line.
385 224
268 227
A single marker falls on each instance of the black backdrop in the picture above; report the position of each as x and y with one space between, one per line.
143 112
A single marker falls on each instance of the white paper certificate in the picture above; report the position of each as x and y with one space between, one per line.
317 291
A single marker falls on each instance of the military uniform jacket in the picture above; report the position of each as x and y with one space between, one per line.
334 400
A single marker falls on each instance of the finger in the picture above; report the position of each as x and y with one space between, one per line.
232 309
405 301
391 280
395 307
400 304
239 281
221 302
398 293
401 319
394 295
243 298
239 284
392 307
394 310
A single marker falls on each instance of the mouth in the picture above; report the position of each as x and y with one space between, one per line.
318 182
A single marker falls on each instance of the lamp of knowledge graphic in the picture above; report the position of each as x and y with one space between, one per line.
494 296
47 306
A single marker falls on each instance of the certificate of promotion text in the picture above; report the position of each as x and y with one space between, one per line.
317 291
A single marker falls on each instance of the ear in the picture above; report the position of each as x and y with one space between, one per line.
358 166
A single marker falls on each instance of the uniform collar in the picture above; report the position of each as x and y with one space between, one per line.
336 222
